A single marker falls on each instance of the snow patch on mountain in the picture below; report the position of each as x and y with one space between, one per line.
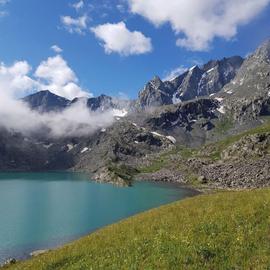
70 147
157 134
120 113
175 99
221 110
210 70
172 139
85 149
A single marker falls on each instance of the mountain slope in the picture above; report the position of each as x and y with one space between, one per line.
196 82
103 103
248 95
238 161
45 101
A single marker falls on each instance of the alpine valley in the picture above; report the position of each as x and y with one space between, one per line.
208 127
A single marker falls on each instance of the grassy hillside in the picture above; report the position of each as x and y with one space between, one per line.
227 230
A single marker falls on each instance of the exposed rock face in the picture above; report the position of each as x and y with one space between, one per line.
190 86
105 175
242 164
252 146
248 95
20 153
184 114
103 103
238 173
164 175
123 142
45 101
197 82
9 262
155 93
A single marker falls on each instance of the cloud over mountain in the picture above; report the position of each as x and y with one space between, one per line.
15 79
56 75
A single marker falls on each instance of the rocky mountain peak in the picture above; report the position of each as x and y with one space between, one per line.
154 93
263 52
156 79
195 82
194 69
45 101
155 83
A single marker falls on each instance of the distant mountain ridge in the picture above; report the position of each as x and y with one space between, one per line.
46 101
196 82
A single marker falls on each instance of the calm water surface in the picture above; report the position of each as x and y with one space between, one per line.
44 210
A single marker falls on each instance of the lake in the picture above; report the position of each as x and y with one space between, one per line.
45 210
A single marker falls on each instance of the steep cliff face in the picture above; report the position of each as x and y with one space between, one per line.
248 95
196 82
184 114
155 93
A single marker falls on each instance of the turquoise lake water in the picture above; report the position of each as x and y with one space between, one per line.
45 210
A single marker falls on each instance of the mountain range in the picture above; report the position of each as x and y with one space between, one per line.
201 107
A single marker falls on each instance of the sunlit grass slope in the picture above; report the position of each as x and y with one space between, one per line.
227 230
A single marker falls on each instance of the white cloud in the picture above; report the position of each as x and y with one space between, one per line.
75 25
119 39
76 120
199 21
56 49
78 5
55 74
15 79
174 73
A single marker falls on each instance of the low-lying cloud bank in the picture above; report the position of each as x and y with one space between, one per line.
74 121
53 74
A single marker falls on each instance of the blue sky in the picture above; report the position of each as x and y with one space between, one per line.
28 29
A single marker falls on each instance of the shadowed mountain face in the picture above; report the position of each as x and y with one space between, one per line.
196 82
45 101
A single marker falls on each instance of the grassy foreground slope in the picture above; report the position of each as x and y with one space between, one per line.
227 230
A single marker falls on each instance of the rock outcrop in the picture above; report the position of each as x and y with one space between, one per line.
196 82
